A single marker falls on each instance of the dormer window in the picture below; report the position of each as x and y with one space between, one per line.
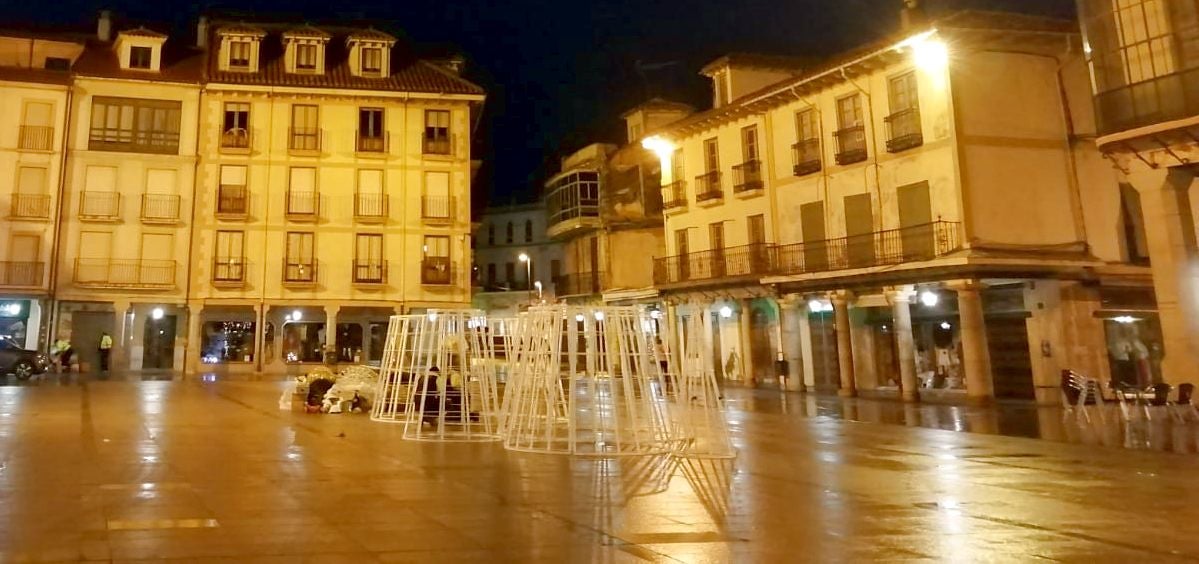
140 57
306 57
239 55
370 51
372 60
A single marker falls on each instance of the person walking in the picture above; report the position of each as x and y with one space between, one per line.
105 350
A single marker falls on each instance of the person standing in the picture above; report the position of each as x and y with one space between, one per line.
105 350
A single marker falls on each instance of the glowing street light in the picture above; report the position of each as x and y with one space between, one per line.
523 257
664 150
929 299
726 312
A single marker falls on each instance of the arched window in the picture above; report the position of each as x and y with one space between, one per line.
510 235
528 231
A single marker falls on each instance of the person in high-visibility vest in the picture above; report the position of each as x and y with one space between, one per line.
105 350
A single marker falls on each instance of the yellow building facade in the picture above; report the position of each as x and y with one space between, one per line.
917 218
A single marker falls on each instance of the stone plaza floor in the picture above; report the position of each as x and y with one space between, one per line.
129 470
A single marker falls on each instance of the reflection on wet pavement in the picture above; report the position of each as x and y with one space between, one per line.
126 469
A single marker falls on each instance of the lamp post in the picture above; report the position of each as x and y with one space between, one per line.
528 274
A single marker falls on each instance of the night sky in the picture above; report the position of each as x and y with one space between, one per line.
559 74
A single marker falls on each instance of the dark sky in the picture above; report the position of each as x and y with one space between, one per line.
559 74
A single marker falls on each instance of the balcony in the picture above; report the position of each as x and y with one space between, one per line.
235 140
124 273
29 206
302 205
437 209
99 206
437 146
21 274
299 272
805 157
368 143
851 144
707 187
229 272
733 262
881 248
369 272
579 284
36 138
1163 99
160 208
232 201
903 130
675 197
572 202
370 208
304 140
436 271
747 177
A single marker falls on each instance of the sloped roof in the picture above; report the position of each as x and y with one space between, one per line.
658 104
758 61
371 34
142 31
407 74
39 76
179 64
241 29
308 32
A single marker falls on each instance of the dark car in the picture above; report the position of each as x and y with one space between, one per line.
19 362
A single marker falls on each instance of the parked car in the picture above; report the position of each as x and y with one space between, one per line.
23 364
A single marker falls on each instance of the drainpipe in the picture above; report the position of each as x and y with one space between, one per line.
824 182
55 245
266 214
873 137
187 294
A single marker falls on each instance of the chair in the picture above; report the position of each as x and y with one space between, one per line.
1183 409
1079 392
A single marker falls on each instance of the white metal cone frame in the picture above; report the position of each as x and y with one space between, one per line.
698 407
438 376
586 381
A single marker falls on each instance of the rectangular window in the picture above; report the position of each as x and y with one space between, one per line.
134 125
31 180
232 196
435 268
305 127
371 201
139 57
57 64
371 137
437 132
756 225
680 242
528 231
676 165
711 155
302 196
903 124
236 127
716 236
368 258
228 262
436 202
491 274
299 263
491 235
901 92
555 269
851 131
510 273
849 112
372 60
749 144
306 57
239 54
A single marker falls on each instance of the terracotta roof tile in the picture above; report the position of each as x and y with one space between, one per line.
241 29
40 76
178 64
372 35
307 32
142 32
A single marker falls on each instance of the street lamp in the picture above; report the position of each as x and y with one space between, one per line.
528 273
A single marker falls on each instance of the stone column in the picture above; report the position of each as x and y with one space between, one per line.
901 305
840 301
791 309
191 348
260 321
1174 259
976 359
119 357
805 348
331 328
745 334
673 342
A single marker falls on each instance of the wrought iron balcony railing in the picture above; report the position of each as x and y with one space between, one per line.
235 139
160 208
437 208
747 176
233 200
303 205
22 274
707 187
676 195
437 145
299 271
304 139
36 137
903 130
229 270
370 207
805 157
881 248
851 144
100 206
746 260
29 206
370 142
124 273
436 271
369 272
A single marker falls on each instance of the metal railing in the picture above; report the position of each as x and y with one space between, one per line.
676 195
369 271
437 208
755 259
124 273
1163 99
437 145
29 206
370 206
889 247
366 143
160 207
903 130
99 205
36 137
21 273
303 204
707 187
235 138
299 271
579 284
851 144
228 270
805 157
436 271
747 176
304 139
232 200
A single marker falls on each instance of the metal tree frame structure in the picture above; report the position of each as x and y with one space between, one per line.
586 381
698 405
438 377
